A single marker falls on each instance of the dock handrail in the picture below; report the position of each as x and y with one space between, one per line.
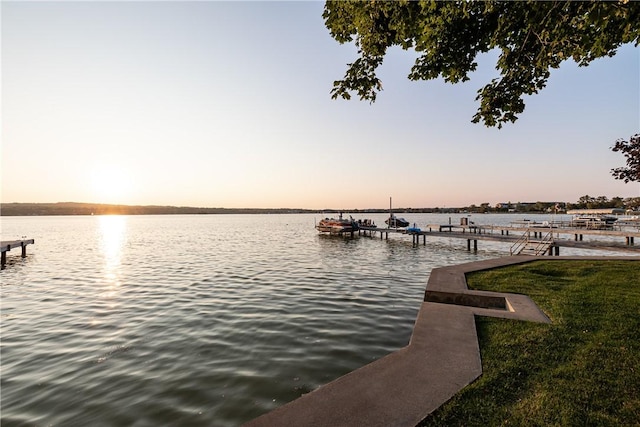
519 245
544 244
535 247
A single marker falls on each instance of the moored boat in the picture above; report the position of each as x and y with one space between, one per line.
337 225
395 222
593 221
595 218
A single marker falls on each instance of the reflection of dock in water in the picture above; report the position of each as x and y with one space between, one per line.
6 246
533 239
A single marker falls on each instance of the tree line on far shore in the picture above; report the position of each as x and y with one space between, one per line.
630 204
72 208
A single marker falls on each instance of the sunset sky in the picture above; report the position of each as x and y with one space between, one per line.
227 104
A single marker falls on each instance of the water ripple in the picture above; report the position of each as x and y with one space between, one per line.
197 320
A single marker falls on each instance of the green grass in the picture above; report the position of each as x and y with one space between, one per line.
583 369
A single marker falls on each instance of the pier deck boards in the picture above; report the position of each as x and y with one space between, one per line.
7 245
570 237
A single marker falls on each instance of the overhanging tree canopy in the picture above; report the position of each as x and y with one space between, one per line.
532 36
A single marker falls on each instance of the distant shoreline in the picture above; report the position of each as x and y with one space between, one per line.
73 208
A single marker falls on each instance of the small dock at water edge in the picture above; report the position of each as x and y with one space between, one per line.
6 246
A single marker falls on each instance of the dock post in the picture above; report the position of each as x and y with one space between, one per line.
475 245
557 250
24 250
424 240
4 260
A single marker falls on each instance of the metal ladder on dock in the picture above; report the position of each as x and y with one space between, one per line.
526 245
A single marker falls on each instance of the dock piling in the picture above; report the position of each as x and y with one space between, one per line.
6 246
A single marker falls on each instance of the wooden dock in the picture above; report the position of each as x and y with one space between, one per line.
524 240
6 246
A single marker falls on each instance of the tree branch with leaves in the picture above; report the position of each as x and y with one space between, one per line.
532 37
631 150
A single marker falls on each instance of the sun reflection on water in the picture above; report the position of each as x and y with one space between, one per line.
112 237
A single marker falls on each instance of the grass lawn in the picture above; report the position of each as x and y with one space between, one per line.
583 369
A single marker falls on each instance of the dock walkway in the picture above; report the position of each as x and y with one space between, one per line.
7 245
570 237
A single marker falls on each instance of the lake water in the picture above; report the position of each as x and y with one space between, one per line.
205 320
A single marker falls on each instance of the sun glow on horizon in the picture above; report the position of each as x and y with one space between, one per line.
110 185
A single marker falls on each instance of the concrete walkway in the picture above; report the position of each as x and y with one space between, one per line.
442 357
